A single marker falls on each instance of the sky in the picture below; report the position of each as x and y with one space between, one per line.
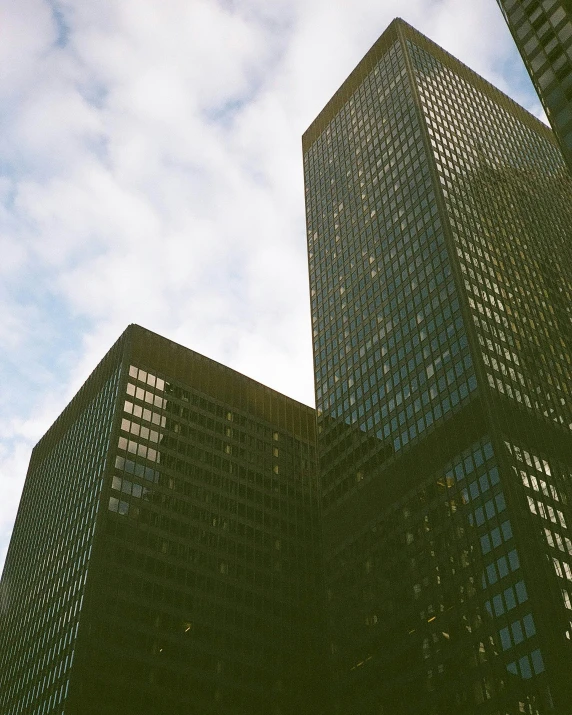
151 173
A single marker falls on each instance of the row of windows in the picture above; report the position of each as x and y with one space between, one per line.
500 568
496 537
222 512
137 468
562 568
557 541
476 488
527 665
147 377
545 511
178 430
139 430
146 396
490 508
272 512
513 595
517 632
138 449
208 580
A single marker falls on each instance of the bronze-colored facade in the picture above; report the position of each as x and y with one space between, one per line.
176 534
439 219
165 557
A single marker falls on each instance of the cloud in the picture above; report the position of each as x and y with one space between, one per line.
150 172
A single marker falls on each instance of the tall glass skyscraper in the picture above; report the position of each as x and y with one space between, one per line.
165 556
167 553
439 220
542 30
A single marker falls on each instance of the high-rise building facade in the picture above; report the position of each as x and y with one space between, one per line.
439 220
542 30
165 556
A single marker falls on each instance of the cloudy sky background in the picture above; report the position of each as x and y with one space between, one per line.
150 172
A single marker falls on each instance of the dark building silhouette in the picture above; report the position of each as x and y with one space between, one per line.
439 220
542 30
173 541
165 556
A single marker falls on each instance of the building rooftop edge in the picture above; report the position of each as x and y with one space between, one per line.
350 83
380 46
193 354
130 341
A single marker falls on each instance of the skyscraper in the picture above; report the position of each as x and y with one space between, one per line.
542 30
165 556
439 219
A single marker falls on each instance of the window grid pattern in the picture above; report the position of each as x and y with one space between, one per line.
545 486
46 568
213 539
510 210
491 173
425 577
391 353
542 30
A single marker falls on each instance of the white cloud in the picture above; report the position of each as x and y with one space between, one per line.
150 172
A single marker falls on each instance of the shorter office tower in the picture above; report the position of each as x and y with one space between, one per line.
165 556
542 30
